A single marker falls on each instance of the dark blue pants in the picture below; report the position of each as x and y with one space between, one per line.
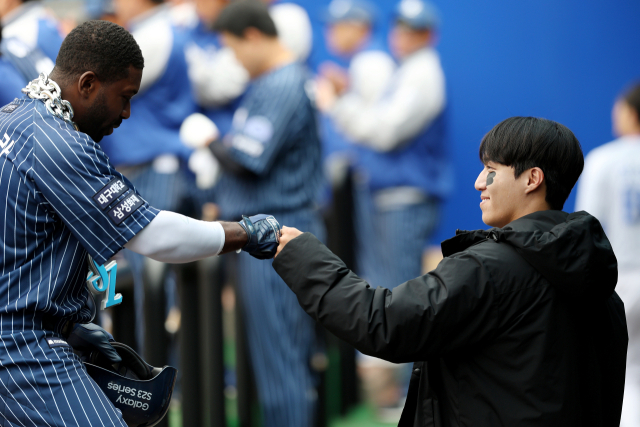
281 336
43 386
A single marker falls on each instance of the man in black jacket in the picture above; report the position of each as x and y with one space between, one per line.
519 325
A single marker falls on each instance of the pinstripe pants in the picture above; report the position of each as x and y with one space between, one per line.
281 336
390 241
48 387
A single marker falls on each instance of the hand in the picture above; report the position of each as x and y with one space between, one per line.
263 232
286 235
336 75
326 95
198 131
85 338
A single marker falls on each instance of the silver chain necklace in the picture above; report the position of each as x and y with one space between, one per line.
49 91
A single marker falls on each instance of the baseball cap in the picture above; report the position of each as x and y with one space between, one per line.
350 10
418 14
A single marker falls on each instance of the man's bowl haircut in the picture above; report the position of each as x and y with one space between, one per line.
243 14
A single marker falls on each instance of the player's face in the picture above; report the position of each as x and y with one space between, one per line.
246 50
404 40
112 105
500 193
346 37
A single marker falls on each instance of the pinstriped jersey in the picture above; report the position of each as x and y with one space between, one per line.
59 199
274 135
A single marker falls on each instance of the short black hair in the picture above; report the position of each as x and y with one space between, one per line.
632 97
527 142
103 47
242 14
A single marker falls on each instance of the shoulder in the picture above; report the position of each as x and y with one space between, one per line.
55 132
286 83
499 264
424 62
155 35
603 155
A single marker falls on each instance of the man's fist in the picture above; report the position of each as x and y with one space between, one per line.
286 235
263 232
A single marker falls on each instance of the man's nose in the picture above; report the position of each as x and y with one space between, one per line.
481 181
126 113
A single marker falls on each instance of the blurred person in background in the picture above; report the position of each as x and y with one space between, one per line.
12 80
148 148
218 80
33 25
359 65
610 190
402 172
271 160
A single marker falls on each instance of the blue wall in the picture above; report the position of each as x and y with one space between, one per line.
564 60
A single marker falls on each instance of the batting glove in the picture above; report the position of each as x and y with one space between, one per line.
264 235
88 337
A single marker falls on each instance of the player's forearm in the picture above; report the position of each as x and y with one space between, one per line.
228 163
175 238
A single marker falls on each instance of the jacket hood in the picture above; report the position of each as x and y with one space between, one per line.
571 251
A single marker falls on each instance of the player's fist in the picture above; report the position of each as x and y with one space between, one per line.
286 235
263 232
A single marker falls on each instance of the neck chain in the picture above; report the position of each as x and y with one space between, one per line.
49 91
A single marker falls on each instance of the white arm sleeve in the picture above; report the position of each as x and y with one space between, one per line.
415 98
294 28
155 39
217 77
175 238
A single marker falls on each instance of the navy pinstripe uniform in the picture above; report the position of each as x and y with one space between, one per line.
51 180
274 135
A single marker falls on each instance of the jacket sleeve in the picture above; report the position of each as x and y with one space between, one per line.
452 308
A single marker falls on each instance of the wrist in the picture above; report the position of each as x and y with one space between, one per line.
235 236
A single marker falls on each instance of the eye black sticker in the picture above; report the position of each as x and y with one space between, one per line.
490 178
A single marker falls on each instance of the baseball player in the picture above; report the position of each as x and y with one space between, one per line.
404 134
28 21
62 201
610 190
12 81
271 160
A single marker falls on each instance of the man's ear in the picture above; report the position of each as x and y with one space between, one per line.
252 34
88 84
535 179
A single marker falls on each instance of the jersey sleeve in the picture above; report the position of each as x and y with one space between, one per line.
261 125
99 205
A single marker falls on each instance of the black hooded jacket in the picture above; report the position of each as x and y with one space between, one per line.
518 326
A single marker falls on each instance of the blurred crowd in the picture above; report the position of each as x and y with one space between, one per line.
234 118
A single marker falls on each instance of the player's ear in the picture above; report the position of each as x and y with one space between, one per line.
88 84
535 178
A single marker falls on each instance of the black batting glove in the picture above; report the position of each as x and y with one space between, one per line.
264 235
88 337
